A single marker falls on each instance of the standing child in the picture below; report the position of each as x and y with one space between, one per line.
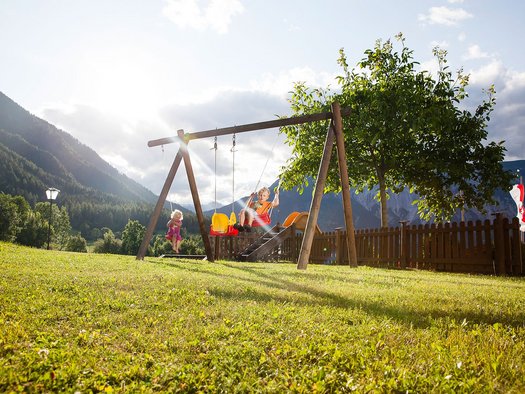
173 233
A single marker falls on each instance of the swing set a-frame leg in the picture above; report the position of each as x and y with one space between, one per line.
335 131
158 208
196 199
181 154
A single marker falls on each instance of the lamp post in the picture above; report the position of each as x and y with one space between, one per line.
51 194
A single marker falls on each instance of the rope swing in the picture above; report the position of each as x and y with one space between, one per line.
221 225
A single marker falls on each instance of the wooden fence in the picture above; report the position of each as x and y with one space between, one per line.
472 247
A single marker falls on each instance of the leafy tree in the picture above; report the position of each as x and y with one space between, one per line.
405 129
60 225
108 244
34 231
132 237
76 243
10 218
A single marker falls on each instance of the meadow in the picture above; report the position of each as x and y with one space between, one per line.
106 323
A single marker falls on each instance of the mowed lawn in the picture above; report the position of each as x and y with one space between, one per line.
104 323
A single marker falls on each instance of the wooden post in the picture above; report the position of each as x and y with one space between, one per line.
158 208
403 244
517 264
345 184
195 197
499 245
293 243
309 232
339 252
216 247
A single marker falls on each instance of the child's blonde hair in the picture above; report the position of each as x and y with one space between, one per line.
177 212
264 189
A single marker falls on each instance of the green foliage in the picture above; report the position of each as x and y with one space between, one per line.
405 130
10 218
98 323
132 237
34 231
108 244
60 225
192 244
160 245
76 243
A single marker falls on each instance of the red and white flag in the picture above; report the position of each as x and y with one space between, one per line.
517 193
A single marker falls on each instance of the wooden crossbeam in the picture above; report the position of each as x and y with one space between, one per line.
270 124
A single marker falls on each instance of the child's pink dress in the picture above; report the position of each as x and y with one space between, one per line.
174 231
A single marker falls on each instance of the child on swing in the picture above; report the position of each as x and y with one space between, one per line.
258 207
173 234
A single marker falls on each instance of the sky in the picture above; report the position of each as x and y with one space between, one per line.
118 73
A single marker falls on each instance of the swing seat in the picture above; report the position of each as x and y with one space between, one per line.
221 225
260 220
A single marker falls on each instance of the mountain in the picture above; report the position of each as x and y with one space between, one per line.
366 209
47 156
35 155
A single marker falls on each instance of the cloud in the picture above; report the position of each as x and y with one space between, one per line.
444 16
507 120
217 14
123 144
475 52
282 83
254 150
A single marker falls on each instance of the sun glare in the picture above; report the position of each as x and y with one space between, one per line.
122 83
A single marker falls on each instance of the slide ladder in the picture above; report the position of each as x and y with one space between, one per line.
266 247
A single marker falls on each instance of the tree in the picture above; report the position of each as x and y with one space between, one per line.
60 225
33 231
76 243
10 218
108 244
132 237
404 130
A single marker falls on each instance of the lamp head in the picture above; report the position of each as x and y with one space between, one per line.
52 193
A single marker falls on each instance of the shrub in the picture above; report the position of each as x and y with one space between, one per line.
10 218
132 237
108 244
76 243
34 231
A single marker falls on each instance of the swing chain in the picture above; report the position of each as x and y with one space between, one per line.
233 173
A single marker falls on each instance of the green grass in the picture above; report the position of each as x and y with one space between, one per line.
104 323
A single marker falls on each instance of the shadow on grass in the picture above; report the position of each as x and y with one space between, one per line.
301 294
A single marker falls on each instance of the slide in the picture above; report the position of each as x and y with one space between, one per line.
299 219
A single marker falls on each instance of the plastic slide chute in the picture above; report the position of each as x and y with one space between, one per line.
299 219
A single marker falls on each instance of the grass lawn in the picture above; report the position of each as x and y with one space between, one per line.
104 323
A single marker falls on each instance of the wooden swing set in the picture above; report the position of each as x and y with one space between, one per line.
334 134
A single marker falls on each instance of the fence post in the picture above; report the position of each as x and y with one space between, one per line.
339 252
293 243
403 247
499 245
517 263
216 247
